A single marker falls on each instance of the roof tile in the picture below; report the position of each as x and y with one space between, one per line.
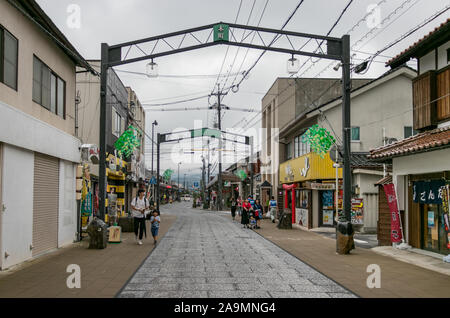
428 140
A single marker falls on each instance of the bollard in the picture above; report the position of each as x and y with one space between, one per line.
344 238
97 231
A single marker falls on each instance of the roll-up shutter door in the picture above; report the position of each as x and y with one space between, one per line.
45 203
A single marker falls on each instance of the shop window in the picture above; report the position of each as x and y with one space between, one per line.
8 58
301 199
49 90
355 134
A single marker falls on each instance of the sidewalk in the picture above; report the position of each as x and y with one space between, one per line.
103 272
398 278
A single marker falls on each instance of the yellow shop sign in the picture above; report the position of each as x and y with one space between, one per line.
308 167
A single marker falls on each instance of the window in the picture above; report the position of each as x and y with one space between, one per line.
49 90
300 148
116 123
448 55
8 58
409 131
355 134
288 149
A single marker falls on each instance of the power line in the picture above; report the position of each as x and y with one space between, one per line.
273 41
330 64
407 34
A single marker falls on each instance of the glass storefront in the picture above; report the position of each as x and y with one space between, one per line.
328 212
434 234
432 197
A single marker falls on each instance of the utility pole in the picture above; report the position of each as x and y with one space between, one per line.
155 123
178 182
251 166
203 179
207 180
219 121
102 163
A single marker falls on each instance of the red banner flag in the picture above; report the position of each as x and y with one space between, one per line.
396 232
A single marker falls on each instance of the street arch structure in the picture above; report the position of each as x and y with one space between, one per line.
225 33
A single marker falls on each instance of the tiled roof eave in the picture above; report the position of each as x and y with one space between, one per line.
398 154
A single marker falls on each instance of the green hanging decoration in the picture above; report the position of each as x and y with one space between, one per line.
319 139
128 141
167 175
241 174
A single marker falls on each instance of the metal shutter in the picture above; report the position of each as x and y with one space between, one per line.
45 203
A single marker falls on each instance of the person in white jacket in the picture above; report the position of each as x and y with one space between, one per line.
139 206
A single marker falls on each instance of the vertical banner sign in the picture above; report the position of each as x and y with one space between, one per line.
445 207
396 233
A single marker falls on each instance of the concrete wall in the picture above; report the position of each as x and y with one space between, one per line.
88 88
67 216
23 130
428 62
17 195
427 162
33 41
388 105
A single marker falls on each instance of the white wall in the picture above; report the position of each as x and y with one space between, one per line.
387 105
17 220
25 131
67 224
442 55
427 162
428 62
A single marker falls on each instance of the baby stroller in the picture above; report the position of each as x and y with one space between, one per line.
252 222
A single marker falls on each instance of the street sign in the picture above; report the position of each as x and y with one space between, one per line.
334 158
153 180
205 132
221 32
196 184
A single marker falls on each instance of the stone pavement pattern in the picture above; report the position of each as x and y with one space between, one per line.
103 272
204 255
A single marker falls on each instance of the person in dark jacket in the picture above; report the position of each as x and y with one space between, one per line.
258 213
233 208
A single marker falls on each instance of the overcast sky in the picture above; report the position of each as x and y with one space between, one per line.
117 21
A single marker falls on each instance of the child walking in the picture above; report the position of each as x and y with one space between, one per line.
155 220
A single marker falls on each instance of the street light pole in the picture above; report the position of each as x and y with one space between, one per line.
155 123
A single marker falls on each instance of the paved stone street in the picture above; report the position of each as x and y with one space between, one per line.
205 255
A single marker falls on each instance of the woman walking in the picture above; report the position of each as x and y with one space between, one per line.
245 214
233 208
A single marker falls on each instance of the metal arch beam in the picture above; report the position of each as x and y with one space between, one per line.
337 49
115 56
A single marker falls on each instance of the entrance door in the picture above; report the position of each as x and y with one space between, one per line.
433 233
